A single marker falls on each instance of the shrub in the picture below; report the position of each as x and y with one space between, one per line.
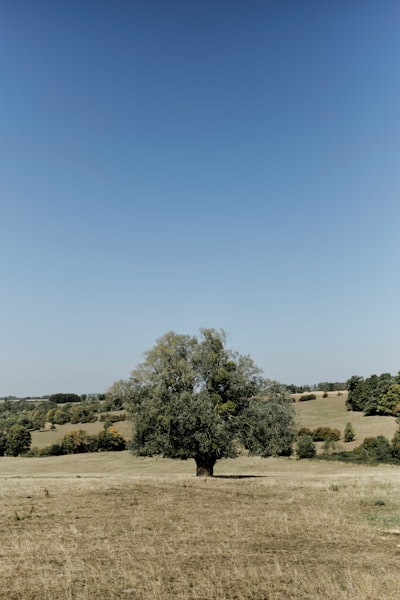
3 442
349 433
76 442
374 448
396 445
322 434
110 440
306 397
53 450
304 431
329 446
325 394
305 447
112 418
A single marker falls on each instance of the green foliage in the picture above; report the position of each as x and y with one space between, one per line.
389 402
31 415
18 440
395 446
194 398
322 434
61 398
110 418
76 442
349 434
305 447
304 431
375 449
376 395
266 426
83 413
307 397
110 440
3 443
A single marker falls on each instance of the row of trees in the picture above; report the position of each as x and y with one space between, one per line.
34 415
375 395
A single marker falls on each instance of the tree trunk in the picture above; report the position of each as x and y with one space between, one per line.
205 466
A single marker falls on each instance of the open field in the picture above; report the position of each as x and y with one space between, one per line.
111 526
331 412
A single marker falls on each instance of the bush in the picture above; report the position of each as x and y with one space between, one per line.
304 431
111 440
329 446
76 442
375 449
306 397
323 434
305 447
396 445
325 394
110 418
349 434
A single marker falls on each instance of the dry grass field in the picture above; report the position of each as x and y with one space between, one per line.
111 526
331 412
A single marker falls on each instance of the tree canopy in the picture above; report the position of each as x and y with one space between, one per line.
375 395
194 398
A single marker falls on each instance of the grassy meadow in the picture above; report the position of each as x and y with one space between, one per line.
114 526
331 412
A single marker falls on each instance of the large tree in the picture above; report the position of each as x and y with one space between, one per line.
194 398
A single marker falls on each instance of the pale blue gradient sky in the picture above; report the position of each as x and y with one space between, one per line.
173 165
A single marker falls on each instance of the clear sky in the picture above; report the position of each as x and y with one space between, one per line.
177 165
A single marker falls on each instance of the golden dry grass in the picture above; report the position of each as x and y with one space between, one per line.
111 526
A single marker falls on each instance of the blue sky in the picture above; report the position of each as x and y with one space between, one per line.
177 165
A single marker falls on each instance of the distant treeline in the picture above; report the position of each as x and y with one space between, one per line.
59 398
34 415
324 386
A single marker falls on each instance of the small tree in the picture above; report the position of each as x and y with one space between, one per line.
349 434
194 398
305 447
18 440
